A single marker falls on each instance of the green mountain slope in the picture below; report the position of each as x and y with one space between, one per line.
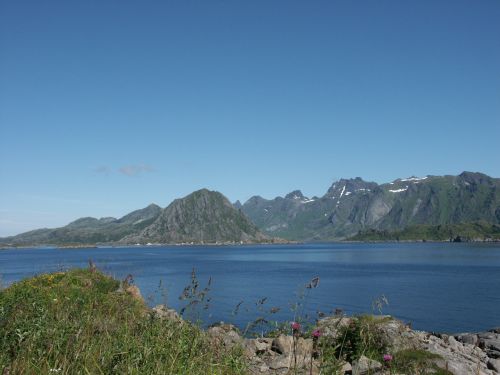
89 230
353 205
479 231
203 216
350 206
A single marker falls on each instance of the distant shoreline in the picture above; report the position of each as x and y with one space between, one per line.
197 244
111 245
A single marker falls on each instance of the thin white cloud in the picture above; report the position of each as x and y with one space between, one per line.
134 170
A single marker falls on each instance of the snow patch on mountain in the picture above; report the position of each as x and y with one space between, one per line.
413 179
399 190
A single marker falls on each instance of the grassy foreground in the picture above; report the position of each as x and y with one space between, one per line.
80 322
84 322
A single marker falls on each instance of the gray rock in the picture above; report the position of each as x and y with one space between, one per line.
163 312
281 362
303 351
468 338
262 345
457 354
282 344
493 353
457 358
490 343
395 334
346 368
331 326
225 334
365 366
453 344
494 364
487 335
263 368
255 347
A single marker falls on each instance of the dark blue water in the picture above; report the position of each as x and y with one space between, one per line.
436 287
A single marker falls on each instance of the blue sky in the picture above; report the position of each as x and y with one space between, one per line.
107 106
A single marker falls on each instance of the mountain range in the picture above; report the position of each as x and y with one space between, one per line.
353 205
201 217
430 207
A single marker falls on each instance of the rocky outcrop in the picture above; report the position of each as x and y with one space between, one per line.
456 357
461 354
280 354
487 342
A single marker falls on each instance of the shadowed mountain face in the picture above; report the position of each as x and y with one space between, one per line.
353 205
203 216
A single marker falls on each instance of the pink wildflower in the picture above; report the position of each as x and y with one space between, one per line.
387 357
295 326
316 333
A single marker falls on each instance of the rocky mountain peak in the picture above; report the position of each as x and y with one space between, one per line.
254 201
201 217
347 187
296 195
475 178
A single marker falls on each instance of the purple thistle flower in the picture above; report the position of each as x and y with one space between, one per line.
295 326
387 357
316 333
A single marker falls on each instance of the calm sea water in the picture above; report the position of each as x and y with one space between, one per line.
436 287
